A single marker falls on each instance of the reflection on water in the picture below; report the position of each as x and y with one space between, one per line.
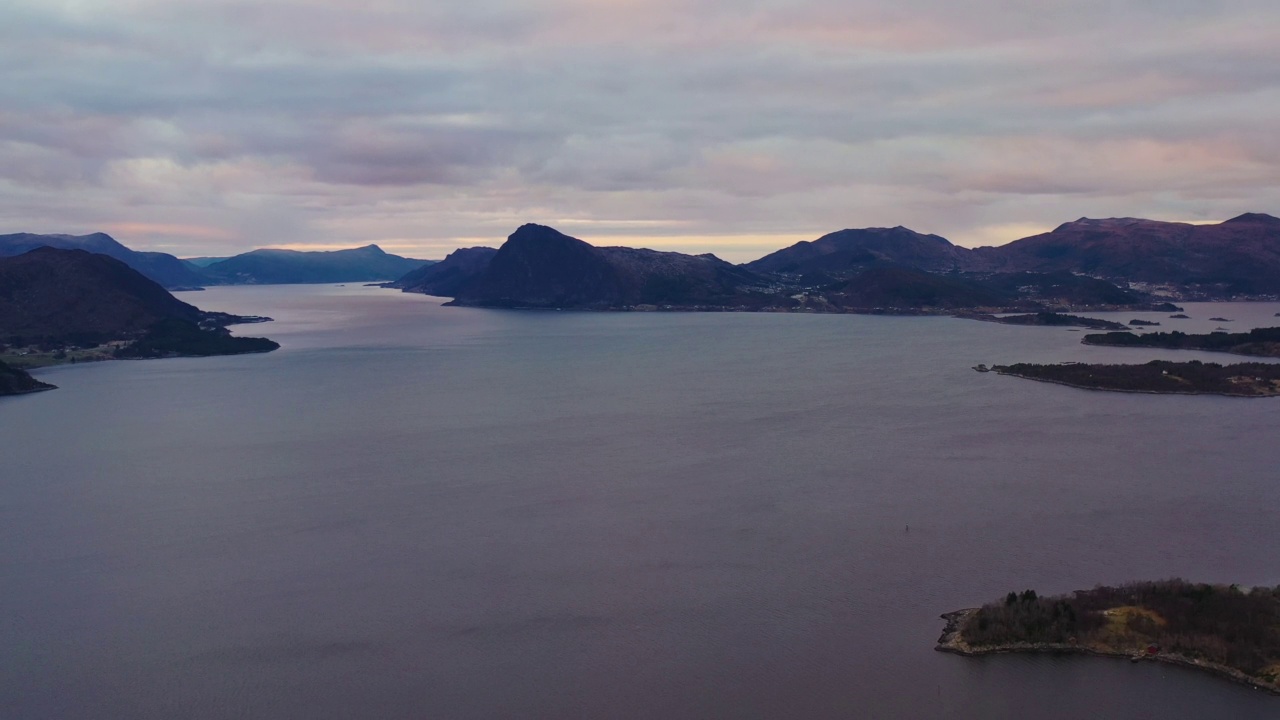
413 511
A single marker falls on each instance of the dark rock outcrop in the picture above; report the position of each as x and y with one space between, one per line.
17 382
447 277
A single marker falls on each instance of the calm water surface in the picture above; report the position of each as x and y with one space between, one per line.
412 511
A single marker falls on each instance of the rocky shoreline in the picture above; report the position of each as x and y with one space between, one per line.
952 641
999 371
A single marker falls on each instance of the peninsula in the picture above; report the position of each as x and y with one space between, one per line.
1230 631
65 306
1159 377
1262 342
14 381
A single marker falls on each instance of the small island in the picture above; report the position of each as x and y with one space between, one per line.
1045 319
1230 631
1143 323
1262 342
1158 376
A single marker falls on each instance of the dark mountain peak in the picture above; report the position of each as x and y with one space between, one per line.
447 277
1105 223
55 293
1255 219
541 234
46 251
479 251
371 249
540 245
539 266
163 268
844 251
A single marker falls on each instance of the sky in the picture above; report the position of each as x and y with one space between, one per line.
211 127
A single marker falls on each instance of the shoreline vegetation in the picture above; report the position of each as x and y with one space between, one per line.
1045 319
1232 632
169 337
1261 342
1159 377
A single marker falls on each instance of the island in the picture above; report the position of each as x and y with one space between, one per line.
876 271
1158 376
1228 630
14 381
1261 342
1142 323
1048 319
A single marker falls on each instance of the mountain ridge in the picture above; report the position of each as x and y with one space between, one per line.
163 268
277 266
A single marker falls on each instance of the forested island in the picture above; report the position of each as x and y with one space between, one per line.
1262 342
1046 319
1158 376
1231 631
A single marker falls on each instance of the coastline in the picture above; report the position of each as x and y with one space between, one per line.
1120 390
1085 341
952 641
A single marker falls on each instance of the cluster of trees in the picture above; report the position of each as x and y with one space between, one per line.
1028 618
1227 625
1053 319
1158 376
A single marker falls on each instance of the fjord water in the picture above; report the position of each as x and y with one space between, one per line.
412 511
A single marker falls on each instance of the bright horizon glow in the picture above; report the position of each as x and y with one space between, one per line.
212 127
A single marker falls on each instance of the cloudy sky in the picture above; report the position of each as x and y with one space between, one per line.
204 127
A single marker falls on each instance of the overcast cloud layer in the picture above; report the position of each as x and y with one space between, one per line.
213 126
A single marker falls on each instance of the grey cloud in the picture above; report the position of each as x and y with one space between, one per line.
697 118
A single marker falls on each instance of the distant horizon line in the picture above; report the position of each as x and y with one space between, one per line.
737 243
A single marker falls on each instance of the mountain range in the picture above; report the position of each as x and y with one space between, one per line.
1086 263
1238 257
1119 262
52 300
163 268
278 267
257 267
540 267
51 295
891 269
